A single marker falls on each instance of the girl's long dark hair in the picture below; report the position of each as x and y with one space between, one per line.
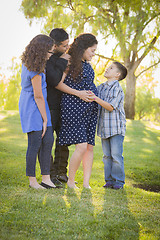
76 50
35 55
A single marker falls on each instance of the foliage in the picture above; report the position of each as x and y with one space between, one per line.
10 88
130 214
130 23
147 106
145 103
134 25
2 90
147 79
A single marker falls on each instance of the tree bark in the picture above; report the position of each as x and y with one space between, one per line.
129 105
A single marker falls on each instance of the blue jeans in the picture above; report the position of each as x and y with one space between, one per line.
113 160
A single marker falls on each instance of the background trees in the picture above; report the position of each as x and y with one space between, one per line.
10 88
134 26
146 105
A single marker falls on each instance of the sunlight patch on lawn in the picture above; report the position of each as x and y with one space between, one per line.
2 116
146 235
5 114
146 150
96 213
127 139
2 130
68 205
153 125
44 199
147 140
98 203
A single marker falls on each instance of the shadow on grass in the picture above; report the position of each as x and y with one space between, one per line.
95 214
141 154
154 188
80 214
113 220
34 214
116 219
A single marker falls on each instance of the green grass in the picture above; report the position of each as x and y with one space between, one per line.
67 214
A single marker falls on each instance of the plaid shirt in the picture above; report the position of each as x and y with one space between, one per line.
111 123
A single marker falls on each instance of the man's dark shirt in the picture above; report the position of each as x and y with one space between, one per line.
54 71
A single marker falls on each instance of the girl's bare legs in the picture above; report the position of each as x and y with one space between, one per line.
75 161
34 184
87 165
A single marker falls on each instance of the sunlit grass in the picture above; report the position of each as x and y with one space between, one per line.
95 214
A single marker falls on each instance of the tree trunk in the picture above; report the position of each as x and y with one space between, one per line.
129 105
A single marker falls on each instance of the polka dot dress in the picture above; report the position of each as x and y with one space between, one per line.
79 118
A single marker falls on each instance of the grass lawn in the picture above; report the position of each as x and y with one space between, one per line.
67 214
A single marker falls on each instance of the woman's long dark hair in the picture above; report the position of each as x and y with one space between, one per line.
76 50
35 55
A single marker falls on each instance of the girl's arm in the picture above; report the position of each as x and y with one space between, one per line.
39 99
84 95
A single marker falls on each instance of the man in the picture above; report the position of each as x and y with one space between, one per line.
55 67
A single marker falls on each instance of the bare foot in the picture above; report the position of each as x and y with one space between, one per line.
49 183
87 186
36 186
46 179
71 185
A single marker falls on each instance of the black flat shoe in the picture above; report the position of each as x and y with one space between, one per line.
47 186
56 182
62 178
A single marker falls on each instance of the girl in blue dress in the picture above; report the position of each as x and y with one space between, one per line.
34 110
79 118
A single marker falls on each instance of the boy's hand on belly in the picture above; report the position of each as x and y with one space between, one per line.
85 95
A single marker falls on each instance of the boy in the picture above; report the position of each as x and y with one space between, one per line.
112 125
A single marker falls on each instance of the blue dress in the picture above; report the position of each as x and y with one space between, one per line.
79 118
31 119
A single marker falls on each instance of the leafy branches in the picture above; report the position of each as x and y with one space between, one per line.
134 25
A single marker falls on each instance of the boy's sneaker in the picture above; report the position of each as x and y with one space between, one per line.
117 187
108 185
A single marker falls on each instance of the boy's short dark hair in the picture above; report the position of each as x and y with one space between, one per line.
122 69
59 35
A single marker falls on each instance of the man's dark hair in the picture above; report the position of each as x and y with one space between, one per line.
122 69
59 35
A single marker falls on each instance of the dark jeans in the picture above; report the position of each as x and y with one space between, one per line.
41 147
59 165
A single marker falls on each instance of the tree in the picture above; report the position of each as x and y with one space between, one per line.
144 102
133 24
2 90
146 105
10 88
